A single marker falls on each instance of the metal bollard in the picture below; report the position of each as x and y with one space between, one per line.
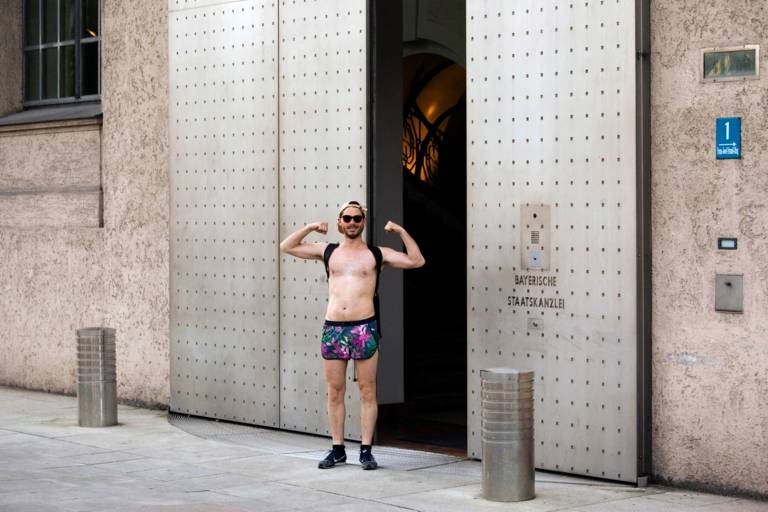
507 434
96 377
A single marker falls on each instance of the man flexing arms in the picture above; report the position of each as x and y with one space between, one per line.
351 329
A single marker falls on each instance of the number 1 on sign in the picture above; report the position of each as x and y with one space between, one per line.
727 130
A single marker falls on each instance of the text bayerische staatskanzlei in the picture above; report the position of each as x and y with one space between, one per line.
527 301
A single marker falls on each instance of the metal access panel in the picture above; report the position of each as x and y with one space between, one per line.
729 292
536 233
223 210
322 165
551 121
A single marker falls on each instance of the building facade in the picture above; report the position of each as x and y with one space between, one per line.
593 207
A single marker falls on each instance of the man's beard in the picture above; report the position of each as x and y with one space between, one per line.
353 236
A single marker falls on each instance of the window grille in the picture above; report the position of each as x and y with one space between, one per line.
62 51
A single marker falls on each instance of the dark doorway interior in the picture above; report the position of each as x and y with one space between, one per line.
434 204
433 416
418 177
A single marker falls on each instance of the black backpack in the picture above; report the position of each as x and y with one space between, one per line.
379 259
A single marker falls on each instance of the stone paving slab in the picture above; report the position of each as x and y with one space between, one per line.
350 480
391 458
268 468
49 464
284 496
691 498
651 503
369 506
549 497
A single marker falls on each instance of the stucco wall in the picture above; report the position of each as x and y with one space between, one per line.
10 57
51 176
710 369
54 280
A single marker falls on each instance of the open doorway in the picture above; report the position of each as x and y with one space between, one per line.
434 212
431 413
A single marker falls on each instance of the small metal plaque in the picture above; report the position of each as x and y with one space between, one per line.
535 324
729 292
730 63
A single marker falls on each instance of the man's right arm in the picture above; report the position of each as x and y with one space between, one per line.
295 246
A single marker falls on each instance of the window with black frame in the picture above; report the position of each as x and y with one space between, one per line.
61 44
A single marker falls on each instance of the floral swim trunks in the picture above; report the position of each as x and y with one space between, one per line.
357 339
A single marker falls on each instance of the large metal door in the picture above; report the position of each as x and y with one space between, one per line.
253 84
552 222
223 208
322 165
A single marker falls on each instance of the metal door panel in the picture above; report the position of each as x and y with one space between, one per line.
552 122
322 165
223 229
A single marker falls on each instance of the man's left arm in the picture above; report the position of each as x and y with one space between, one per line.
411 258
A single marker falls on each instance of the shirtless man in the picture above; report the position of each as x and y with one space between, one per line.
351 329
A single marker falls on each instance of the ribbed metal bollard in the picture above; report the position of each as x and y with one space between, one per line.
507 434
96 377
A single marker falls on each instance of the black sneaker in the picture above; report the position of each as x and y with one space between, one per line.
367 461
330 460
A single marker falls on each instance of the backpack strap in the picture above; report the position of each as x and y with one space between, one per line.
327 257
379 262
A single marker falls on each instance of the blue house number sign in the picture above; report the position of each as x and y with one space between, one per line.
728 137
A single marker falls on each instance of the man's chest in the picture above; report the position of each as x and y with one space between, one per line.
352 263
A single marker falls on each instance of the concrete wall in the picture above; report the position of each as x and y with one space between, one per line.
710 369
10 57
54 280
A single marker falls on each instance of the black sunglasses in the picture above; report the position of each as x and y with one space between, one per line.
350 218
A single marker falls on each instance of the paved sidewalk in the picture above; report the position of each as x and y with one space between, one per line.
48 463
